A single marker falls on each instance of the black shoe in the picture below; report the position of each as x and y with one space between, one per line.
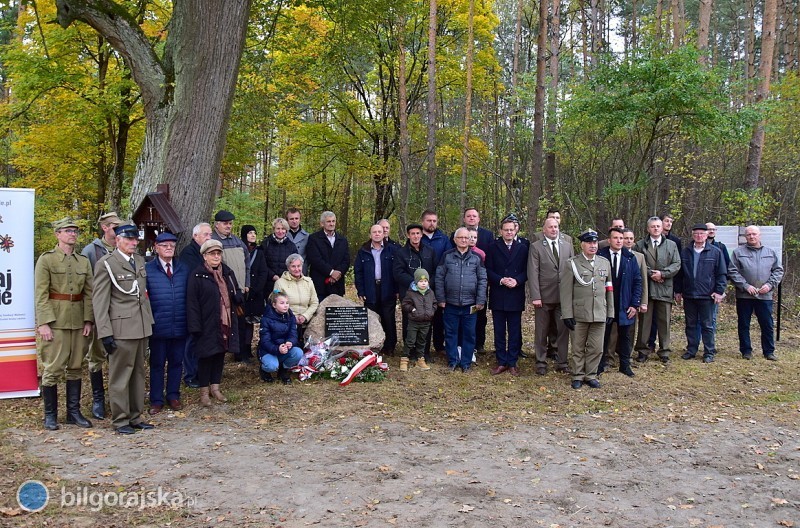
284 375
265 376
577 384
50 397
453 368
687 355
641 358
664 359
770 357
98 395
192 384
627 371
125 430
593 383
708 359
143 426
74 415
747 356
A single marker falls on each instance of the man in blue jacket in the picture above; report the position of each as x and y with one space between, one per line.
375 284
700 284
166 286
461 291
626 279
506 268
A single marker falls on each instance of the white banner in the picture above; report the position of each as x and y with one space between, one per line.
18 376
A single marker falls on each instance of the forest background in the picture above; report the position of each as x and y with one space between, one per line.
377 108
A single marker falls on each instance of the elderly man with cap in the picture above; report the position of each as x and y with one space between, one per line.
587 305
63 296
235 253
700 285
124 322
166 287
95 354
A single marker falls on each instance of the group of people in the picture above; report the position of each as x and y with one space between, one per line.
193 308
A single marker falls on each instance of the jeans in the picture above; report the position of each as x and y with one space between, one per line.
270 363
166 353
763 310
455 319
699 312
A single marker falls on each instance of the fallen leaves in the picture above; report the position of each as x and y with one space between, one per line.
10 512
466 508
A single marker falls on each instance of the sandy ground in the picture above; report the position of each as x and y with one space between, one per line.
587 470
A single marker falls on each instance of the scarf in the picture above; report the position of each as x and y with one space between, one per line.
224 304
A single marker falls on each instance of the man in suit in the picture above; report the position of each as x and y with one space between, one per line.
629 241
587 306
627 282
506 261
328 257
124 322
545 258
663 263
375 284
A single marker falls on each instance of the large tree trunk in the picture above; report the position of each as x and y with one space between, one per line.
702 30
512 182
534 191
467 104
552 107
765 70
187 94
431 106
750 52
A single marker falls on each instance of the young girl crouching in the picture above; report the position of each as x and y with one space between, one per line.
277 345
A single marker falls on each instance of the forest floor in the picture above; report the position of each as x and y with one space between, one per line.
686 444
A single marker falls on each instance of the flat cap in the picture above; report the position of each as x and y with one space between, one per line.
109 218
699 227
127 231
223 216
409 227
210 245
64 223
166 237
590 235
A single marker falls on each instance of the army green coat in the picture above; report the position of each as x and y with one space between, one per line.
589 303
119 310
57 272
664 258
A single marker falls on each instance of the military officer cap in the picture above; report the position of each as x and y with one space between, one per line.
510 217
590 235
127 231
409 227
166 237
210 245
223 216
64 223
109 218
699 227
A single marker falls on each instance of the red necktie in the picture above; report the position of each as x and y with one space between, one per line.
169 271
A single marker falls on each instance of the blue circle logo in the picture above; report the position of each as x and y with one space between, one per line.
32 496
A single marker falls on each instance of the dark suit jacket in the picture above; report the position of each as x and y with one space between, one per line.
324 258
627 285
502 263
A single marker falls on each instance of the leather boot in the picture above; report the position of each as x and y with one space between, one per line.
216 393
74 415
205 401
98 395
50 398
284 375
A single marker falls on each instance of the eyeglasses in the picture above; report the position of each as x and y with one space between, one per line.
70 231
461 238
166 244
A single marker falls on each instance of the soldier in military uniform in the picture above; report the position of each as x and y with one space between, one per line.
95 354
124 322
587 305
64 317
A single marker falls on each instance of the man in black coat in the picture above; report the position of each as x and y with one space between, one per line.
191 258
407 260
328 257
507 271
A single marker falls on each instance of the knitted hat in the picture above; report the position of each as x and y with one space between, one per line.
246 229
421 274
